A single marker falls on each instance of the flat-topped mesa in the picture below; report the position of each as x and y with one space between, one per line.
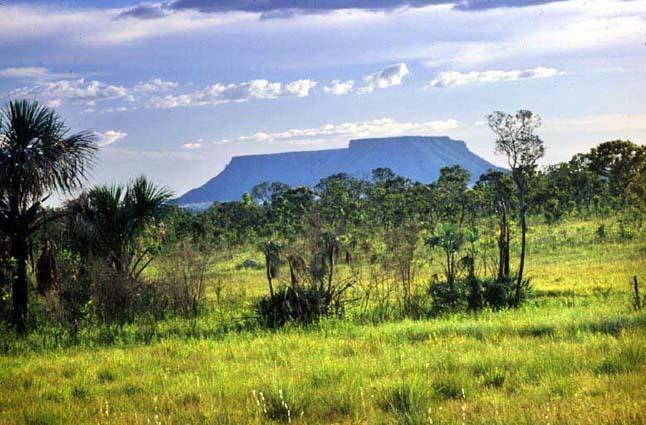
404 141
418 158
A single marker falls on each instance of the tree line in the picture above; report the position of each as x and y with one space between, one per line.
344 234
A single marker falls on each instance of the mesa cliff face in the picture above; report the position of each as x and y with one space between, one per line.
417 157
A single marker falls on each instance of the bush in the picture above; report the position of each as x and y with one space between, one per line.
446 297
476 294
183 279
67 299
120 299
302 305
250 263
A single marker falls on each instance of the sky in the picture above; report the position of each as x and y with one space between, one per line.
175 89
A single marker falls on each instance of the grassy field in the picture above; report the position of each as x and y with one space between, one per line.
575 353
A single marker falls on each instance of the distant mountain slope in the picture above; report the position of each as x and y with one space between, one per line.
416 157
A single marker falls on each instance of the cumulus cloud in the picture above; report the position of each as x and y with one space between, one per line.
242 92
155 85
339 88
75 91
109 137
373 128
390 76
455 78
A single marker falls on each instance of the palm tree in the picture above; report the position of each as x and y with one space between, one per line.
37 157
272 250
108 221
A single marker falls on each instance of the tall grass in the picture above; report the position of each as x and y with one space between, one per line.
574 354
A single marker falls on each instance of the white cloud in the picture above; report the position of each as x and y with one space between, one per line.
109 137
392 75
242 92
455 78
101 26
155 85
298 88
75 91
32 73
193 145
339 88
373 128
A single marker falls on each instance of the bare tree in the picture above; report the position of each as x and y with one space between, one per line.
515 138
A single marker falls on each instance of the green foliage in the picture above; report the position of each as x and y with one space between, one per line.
404 402
37 158
302 305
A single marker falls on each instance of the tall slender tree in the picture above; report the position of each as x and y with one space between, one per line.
38 156
515 138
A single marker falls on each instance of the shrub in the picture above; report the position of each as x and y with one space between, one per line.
301 304
446 297
250 263
183 279
476 294
119 299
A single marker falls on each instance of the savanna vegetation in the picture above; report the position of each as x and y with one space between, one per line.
514 299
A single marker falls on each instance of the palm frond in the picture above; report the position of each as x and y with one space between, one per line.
37 154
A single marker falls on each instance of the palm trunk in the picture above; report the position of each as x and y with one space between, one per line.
268 268
19 292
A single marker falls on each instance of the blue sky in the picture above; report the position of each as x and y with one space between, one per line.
175 89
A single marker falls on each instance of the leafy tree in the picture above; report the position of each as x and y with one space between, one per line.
382 174
515 139
289 211
340 202
38 157
497 188
452 195
623 165
262 192
450 238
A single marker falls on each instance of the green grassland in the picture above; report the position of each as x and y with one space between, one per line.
574 354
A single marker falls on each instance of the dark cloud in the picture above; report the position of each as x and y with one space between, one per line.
290 7
270 9
145 11
470 5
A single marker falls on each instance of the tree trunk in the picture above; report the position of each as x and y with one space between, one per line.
523 233
501 247
331 276
19 292
292 274
507 245
268 268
